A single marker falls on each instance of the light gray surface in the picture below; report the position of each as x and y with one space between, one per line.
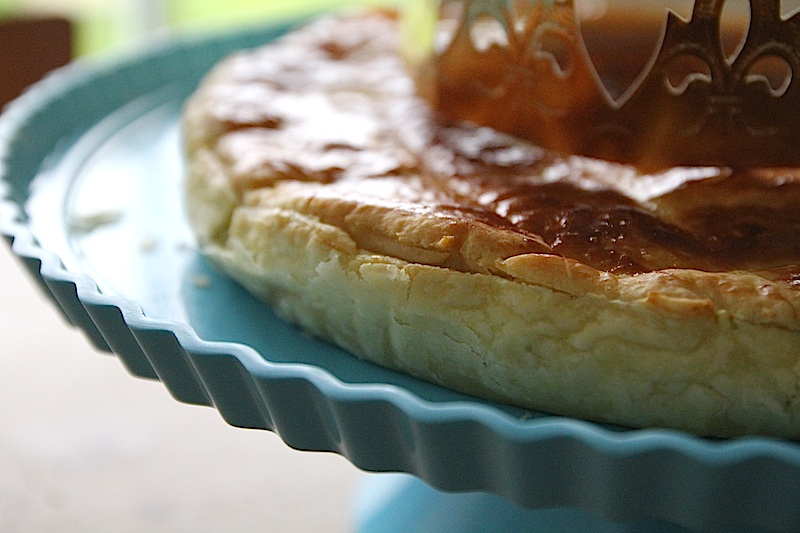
86 447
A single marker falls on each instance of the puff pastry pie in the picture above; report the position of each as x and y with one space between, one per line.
320 181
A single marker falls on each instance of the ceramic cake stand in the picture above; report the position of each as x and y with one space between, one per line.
90 202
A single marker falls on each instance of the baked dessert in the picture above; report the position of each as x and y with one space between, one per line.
470 258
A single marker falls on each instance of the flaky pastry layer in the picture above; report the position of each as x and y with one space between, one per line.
304 184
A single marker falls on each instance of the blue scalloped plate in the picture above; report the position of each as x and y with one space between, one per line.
91 169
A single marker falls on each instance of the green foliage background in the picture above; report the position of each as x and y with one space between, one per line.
102 25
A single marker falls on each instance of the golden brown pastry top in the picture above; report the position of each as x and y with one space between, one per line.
292 121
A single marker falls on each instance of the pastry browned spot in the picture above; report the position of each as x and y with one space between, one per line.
469 258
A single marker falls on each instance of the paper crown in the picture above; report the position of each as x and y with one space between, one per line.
523 67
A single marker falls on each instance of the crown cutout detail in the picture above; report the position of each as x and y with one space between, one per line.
523 67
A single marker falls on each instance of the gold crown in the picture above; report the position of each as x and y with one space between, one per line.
523 67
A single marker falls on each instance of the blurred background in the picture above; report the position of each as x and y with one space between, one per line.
100 25
84 446
37 35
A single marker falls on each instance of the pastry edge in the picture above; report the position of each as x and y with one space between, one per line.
672 349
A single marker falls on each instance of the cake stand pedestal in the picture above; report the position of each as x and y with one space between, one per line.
401 503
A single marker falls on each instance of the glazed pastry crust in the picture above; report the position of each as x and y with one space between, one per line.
365 262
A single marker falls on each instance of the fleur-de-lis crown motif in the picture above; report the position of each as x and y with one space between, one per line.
522 66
